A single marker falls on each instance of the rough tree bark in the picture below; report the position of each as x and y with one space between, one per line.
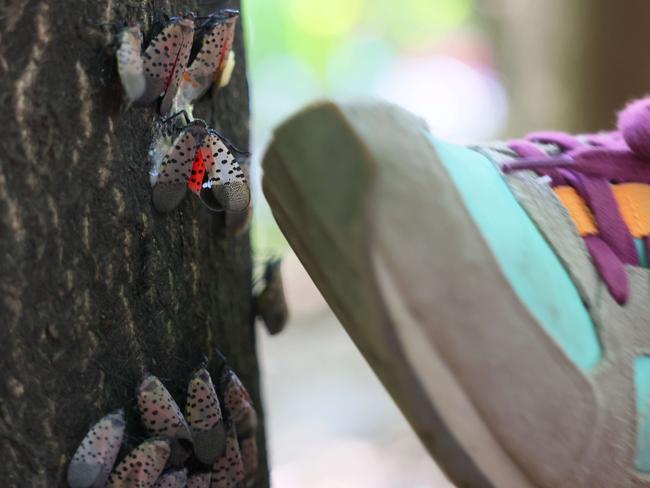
95 287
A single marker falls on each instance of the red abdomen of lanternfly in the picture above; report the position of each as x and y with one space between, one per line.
198 171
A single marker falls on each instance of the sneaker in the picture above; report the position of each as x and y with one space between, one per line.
499 292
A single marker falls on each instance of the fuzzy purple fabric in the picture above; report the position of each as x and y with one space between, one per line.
634 124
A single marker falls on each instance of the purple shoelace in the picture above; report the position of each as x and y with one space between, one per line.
591 165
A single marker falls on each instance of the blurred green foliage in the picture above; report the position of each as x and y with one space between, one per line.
299 50
312 30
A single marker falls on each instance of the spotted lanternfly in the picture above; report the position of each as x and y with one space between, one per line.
129 63
238 403
203 161
215 60
94 459
240 408
162 417
203 413
201 480
228 470
175 171
224 174
173 479
161 66
271 303
142 466
249 456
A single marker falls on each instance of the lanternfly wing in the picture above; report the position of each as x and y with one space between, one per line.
238 403
174 172
142 466
212 59
228 470
166 57
173 479
130 64
180 64
94 459
238 222
225 176
204 416
160 413
176 167
201 480
162 417
226 54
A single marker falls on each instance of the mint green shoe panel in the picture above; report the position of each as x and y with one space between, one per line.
527 261
642 386
640 250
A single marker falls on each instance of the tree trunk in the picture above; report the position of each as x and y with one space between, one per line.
96 287
571 64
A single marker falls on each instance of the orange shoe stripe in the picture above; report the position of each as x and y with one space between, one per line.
578 210
633 202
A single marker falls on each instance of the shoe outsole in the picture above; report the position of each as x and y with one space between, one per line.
318 174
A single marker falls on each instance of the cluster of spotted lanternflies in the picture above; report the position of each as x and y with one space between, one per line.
186 153
219 444
208 446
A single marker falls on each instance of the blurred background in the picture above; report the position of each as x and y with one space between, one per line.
475 70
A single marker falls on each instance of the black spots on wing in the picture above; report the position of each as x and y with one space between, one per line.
142 466
177 163
166 58
214 50
228 470
202 407
102 442
224 159
159 412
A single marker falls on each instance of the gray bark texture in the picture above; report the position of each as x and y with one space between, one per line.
96 288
